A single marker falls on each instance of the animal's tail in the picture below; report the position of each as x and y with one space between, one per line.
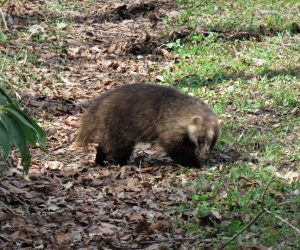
87 131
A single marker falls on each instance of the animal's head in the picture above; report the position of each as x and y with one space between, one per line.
204 133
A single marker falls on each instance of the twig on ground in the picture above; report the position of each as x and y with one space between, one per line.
265 191
263 210
166 240
3 20
2 3
4 238
242 230
11 211
283 220
262 201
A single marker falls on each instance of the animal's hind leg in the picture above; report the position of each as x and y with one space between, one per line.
100 156
121 153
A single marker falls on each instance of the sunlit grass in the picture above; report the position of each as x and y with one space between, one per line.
254 86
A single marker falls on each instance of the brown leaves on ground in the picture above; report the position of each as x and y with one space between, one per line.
88 207
69 203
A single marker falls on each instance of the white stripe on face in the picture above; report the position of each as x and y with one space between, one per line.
210 134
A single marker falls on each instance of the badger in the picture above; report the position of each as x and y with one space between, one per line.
184 126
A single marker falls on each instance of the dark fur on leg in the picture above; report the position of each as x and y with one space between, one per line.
100 157
121 154
183 153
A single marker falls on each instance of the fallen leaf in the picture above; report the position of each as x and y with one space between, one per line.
216 214
107 229
61 26
160 226
141 226
61 238
53 165
259 62
53 208
160 78
68 185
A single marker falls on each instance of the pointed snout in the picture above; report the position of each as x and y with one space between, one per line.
203 153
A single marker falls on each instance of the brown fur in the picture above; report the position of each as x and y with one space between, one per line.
183 125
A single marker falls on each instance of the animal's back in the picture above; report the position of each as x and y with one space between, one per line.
131 110
136 110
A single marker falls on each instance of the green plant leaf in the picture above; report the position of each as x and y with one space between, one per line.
3 37
29 133
3 100
17 128
4 140
17 137
3 93
28 130
39 134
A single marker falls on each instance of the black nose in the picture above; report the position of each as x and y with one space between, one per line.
205 156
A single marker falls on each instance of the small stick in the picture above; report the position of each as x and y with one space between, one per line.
283 220
264 193
243 229
4 238
3 20
254 219
166 240
12 211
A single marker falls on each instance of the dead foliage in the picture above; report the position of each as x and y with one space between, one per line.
69 203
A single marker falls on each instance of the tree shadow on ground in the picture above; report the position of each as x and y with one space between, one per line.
194 82
114 15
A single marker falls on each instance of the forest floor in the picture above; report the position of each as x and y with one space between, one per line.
58 55
77 52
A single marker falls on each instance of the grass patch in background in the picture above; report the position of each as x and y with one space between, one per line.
256 16
13 74
254 85
65 8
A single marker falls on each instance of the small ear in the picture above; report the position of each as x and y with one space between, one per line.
193 127
192 133
197 120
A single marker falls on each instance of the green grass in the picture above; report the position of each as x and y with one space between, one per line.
21 69
254 85
13 74
263 15
65 9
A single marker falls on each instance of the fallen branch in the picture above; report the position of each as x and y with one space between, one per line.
263 210
11 211
242 230
4 238
283 220
254 219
